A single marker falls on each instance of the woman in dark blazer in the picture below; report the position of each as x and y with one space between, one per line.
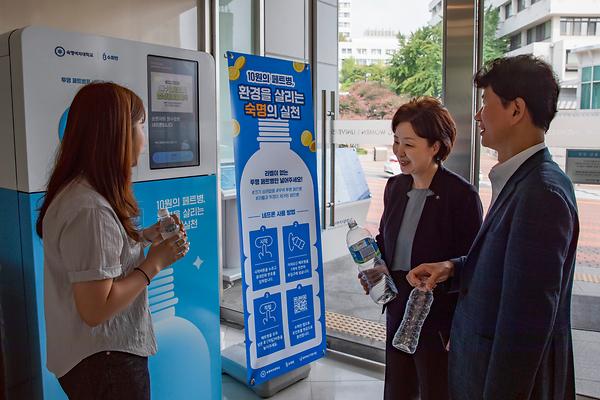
430 214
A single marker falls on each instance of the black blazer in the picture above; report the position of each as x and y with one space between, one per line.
450 220
511 335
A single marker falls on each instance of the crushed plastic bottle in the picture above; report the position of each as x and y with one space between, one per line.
417 308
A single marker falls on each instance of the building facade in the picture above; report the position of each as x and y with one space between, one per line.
552 30
436 10
377 46
345 19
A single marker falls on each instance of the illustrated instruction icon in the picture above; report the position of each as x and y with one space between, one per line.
263 243
267 310
295 241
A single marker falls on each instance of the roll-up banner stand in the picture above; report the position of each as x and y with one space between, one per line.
276 176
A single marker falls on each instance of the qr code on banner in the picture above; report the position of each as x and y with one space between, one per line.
300 304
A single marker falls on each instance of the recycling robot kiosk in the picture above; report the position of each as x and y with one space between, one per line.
40 72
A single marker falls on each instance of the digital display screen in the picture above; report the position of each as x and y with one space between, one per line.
173 137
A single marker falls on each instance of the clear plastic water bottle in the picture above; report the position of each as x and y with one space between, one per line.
367 256
415 313
168 227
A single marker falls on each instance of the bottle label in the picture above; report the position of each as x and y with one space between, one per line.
364 250
169 230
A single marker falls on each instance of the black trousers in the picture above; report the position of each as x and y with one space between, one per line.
423 375
108 375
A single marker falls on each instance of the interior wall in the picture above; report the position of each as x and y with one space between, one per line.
152 21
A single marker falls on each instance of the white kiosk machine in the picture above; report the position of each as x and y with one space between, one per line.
40 72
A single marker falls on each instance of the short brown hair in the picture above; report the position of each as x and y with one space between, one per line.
430 120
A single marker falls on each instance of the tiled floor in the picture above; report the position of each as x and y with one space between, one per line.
586 348
348 378
333 377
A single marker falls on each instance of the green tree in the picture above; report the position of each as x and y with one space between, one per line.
352 73
416 68
493 47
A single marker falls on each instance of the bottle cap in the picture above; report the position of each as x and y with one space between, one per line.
163 212
352 223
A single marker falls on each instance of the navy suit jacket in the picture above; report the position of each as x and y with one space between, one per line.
511 333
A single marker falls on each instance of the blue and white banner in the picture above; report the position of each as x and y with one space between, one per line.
280 240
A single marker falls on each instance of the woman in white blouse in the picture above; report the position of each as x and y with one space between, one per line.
98 325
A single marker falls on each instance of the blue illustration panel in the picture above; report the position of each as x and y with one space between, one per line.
296 241
301 314
269 324
265 258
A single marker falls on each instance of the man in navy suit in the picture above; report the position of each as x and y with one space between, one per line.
511 332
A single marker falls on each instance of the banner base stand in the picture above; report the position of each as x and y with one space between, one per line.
234 364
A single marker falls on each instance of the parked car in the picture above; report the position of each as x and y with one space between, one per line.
392 166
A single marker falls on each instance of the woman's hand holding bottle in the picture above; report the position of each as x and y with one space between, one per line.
372 275
165 253
173 247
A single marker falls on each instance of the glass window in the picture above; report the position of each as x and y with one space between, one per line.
572 26
586 95
587 87
597 73
591 28
547 29
586 74
373 92
596 95
520 5
515 41
566 26
570 61
530 35
507 10
576 27
539 33
236 33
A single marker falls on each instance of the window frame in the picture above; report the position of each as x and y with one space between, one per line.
507 10
515 41
590 88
